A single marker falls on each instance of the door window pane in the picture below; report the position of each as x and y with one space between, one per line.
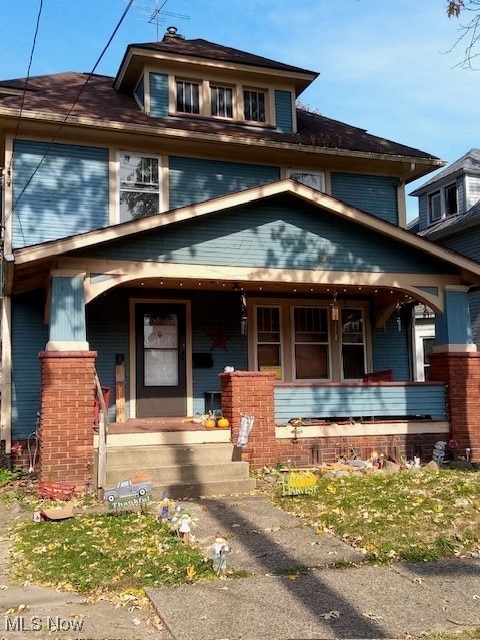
311 343
353 344
160 341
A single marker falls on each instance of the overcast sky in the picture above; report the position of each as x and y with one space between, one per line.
384 64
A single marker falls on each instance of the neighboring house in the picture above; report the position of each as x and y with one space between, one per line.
449 214
184 217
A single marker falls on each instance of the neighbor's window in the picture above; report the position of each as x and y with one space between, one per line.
254 105
188 97
269 353
435 206
221 99
314 179
311 351
353 344
451 200
139 186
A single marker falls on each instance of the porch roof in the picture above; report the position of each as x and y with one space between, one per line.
28 256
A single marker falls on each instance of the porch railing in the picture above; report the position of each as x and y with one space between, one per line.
366 401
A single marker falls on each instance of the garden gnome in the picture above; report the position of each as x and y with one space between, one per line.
184 526
220 549
166 503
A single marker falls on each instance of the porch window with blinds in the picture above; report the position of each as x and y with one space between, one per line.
311 350
139 186
269 353
353 344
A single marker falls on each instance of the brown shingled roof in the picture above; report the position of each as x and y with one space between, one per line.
53 95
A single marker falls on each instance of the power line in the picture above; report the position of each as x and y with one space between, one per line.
82 88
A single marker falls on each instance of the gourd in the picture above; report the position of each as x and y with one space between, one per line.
223 423
210 423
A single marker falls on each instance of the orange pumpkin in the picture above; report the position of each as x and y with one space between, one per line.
223 423
210 423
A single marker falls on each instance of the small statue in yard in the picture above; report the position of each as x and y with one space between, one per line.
165 504
220 549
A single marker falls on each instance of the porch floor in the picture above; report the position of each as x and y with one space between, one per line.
152 425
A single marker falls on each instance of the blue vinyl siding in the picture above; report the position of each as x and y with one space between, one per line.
283 111
474 302
466 242
67 317
374 194
344 401
453 326
158 95
29 337
193 180
280 233
68 193
390 349
140 92
422 213
108 334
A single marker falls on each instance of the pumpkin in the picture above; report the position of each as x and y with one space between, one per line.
210 423
223 423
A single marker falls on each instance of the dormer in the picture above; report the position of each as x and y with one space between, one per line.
203 81
450 194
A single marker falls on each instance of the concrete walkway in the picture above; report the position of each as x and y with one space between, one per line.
277 602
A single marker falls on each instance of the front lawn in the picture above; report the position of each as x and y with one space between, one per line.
414 516
107 552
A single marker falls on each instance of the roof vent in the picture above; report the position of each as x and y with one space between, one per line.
172 34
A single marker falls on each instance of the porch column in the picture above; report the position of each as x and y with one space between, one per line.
455 361
251 392
67 388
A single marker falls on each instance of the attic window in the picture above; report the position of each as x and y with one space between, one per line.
188 97
221 99
442 203
254 105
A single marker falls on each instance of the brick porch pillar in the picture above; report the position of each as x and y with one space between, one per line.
66 415
251 392
461 373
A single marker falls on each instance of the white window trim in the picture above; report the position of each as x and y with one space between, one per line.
161 174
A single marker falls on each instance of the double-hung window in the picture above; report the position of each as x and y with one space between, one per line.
254 105
353 344
311 344
188 97
139 181
221 99
269 339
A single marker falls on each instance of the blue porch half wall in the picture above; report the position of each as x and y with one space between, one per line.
29 337
68 193
281 232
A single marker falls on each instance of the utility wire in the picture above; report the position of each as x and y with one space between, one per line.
62 124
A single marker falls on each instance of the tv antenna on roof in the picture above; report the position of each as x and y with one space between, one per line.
154 13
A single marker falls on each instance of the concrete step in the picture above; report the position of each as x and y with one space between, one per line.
150 456
183 490
189 473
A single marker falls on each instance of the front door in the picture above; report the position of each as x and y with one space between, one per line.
160 365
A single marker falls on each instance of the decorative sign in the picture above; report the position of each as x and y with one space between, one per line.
298 483
134 491
117 505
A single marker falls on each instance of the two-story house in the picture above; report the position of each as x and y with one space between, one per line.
449 214
183 217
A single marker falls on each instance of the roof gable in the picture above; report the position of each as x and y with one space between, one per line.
248 197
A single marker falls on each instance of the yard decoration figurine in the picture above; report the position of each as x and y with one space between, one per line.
182 524
220 549
166 503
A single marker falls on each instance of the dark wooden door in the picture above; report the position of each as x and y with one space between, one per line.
160 354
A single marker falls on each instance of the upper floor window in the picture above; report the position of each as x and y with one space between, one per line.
139 186
221 99
442 203
188 97
254 105
314 179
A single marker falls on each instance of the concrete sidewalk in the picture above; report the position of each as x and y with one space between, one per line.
277 602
